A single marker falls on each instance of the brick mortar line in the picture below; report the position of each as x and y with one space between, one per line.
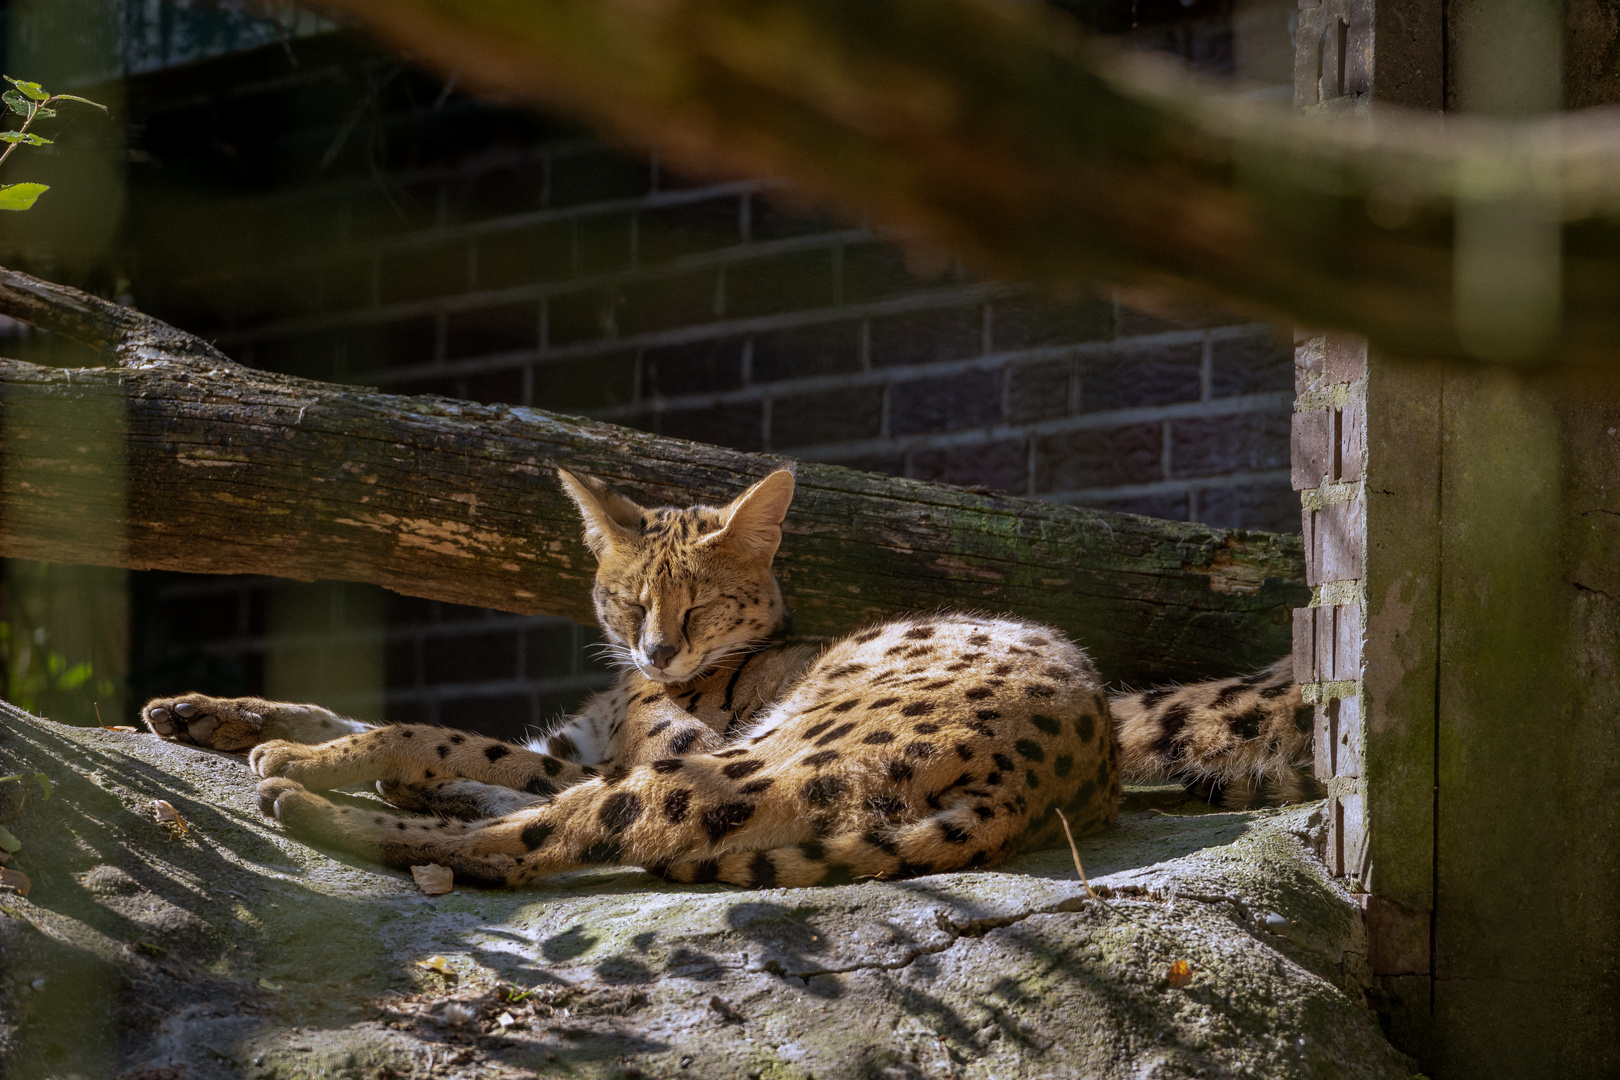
462 301
1275 402
1166 487
443 234
518 359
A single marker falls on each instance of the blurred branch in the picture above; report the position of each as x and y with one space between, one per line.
994 129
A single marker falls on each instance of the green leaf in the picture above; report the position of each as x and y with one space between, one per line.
23 137
43 111
45 786
32 89
81 100
20 196
8 843
17 102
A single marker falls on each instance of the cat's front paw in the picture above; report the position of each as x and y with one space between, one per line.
227 724
280 758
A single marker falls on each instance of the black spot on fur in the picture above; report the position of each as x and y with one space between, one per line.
668 765
407 734
725 819
837 875
732 753
978 693
535 835
1174 719
964 751
1105 773
761 872
539 785
866 636
879 841
823 790
1045 723
1082 796
1039 690
878 738
1150 698
985 813
1031 779
821 757
619 811
676 804
817 729
562 746
812 850
844 670
953 834
1030 749
1085 727
1063 764
1247 725
913 869
883 703
919 633
603 851
705 872
979 639
458 739
1277 691
835 734
1304 719
926 729
887 805
681 743
754 787
992 779
920 750
845 706
495 751
658 728
1003 762
739 769
898 771
1226 695
918 708
442 750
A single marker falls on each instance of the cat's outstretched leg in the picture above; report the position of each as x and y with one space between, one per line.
236 725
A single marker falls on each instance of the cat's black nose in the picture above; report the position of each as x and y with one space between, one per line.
662 655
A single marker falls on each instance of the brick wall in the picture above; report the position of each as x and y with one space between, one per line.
350 219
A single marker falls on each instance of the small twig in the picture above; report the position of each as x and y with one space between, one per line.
96 705
1076 853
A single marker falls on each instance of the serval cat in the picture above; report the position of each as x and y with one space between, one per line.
731 751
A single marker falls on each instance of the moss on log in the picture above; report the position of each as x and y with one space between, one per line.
175 458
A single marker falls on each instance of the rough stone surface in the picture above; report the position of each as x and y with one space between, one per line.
232 950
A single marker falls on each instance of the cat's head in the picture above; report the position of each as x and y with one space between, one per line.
679 590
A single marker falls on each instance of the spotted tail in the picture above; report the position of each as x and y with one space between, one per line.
1241 741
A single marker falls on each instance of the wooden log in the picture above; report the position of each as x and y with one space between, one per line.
175 458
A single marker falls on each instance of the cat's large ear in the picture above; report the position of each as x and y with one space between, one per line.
754 518
610 518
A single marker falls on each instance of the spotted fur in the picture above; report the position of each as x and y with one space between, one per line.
731 751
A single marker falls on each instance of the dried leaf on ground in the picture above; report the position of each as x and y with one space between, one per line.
439 964
14 881
1180 975
168 816
433 879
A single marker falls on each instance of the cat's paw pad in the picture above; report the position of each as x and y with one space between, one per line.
227 724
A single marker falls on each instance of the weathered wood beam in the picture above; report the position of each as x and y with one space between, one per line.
176 458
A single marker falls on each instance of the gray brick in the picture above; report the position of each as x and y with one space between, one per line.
666 302
401 665
739 426
514 188
595 175
1167 507
1273 507
1250 365
876 271
335 285
483 331
1098 458
579 316
1169 315
502 717
604 243
668 232
826 416
470 658
1000 466
925 337
1141 375
494 387
595 382
421 273
1023 322
771 219
312 356
807 351
549 652
969 399
793 282
400 208
701 367
1038 391
401 343
1217 445
523 256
